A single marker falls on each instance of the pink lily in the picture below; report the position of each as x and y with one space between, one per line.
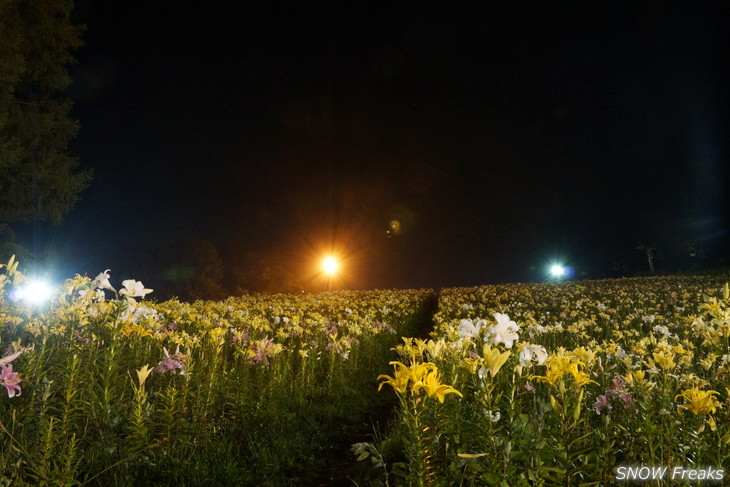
10 379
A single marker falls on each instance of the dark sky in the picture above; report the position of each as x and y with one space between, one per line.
499 137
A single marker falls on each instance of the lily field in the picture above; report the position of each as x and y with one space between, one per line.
570 383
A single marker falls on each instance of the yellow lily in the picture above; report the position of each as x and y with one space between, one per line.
580 378
400 379
698 402
634 377
142 374
435 349
418 372
494 359
665 360
431 383
557 367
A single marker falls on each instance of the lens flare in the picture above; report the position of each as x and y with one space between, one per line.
330 266
557 270
34 292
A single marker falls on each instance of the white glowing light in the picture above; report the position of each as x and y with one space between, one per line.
557 270
34 292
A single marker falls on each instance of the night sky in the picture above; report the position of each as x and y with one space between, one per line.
489 140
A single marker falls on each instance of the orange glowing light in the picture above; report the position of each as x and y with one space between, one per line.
330 266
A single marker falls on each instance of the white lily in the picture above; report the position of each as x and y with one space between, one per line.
533 355
505 331
468 329
134 289
102 281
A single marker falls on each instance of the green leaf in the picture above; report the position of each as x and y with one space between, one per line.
554 403
492 478
400 469
576 411
579 439
472 455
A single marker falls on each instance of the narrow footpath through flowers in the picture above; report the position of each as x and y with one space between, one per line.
342 467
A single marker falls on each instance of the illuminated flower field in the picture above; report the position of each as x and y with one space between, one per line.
105 387
572 383
582 383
